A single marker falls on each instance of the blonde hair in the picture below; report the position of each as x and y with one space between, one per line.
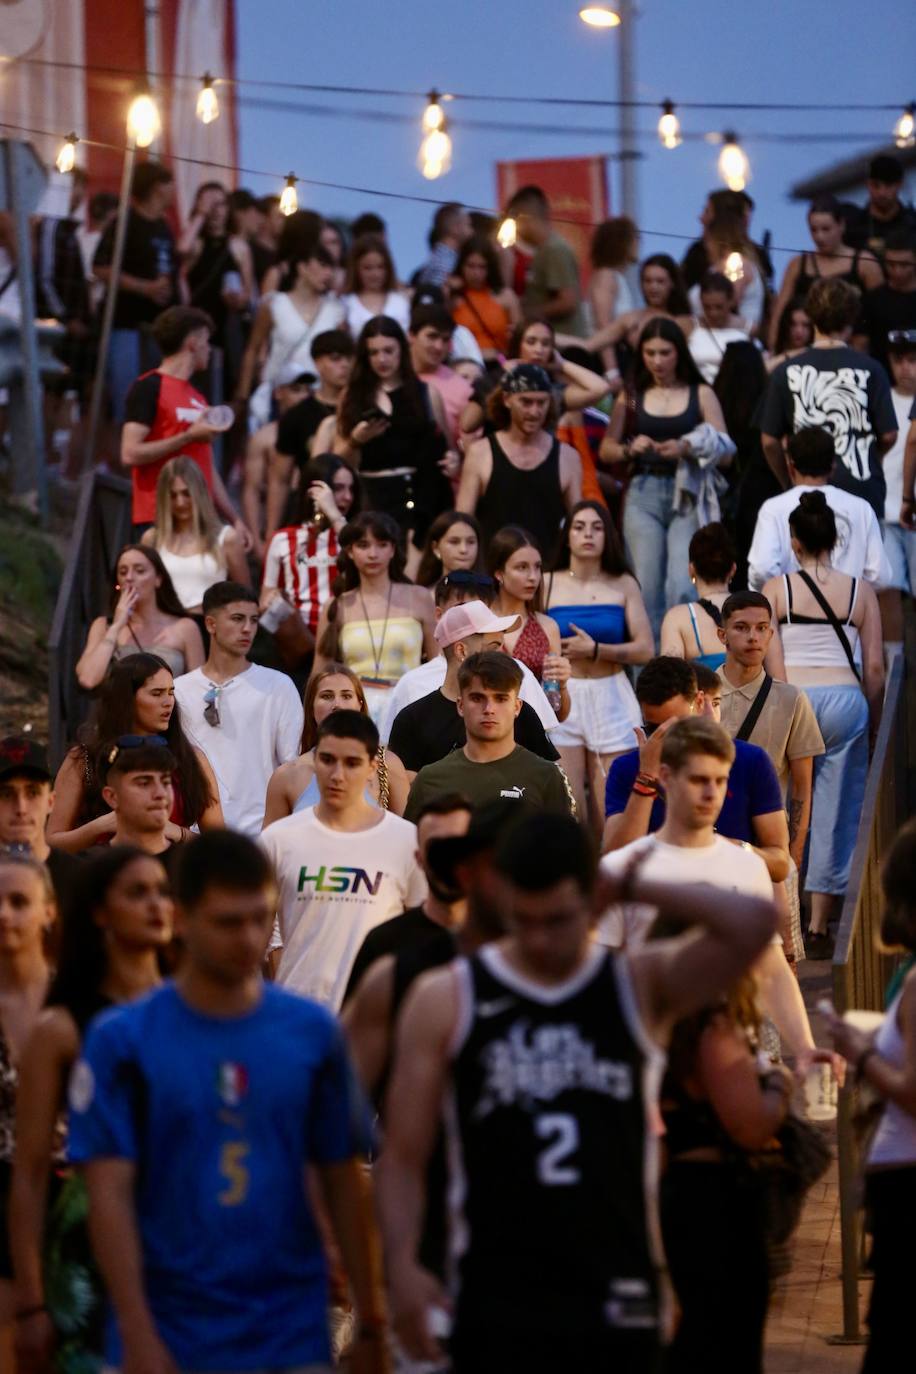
205 521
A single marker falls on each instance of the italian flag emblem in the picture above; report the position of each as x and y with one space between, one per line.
231 1084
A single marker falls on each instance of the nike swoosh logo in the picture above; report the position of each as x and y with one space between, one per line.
499 1004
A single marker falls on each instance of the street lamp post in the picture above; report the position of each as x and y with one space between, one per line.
622 15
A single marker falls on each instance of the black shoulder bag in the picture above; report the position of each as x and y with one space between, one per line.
750 720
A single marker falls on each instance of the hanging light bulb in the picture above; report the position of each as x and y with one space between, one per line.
433 115
66 158
734 168
207 103
143 122
905 128
734 267
436 153
600 16
289 201
669 126
506 233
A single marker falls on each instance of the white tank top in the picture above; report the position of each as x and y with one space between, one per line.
895 1139
397 308
291 338
811 641
193 573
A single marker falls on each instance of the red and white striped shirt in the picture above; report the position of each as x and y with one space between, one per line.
302 562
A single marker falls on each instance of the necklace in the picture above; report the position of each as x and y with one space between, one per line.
376 653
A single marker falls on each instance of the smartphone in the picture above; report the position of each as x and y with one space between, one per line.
372 414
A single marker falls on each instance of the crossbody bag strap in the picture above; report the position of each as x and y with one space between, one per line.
746 728
832 616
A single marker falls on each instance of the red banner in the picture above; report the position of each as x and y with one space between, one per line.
576 188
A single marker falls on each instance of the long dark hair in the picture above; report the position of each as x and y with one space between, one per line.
430 569
381 527
362 247
785 324
669 330
503 545
613 555
740 382
477 244
677 302
322 468
82 962
363 383
113 715
166 596
521 329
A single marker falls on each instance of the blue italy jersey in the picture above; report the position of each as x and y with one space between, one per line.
220 1116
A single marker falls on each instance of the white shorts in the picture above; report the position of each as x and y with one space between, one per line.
603 715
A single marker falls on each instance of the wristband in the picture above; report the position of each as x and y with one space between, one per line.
644 785
595 652
864 1058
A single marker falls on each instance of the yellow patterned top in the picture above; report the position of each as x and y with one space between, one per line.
399 646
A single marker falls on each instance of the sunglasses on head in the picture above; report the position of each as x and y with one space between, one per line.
211 707
137 742
463 577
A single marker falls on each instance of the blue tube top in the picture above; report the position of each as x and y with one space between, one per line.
605 624
311 797
713 661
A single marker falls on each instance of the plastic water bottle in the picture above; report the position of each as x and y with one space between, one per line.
552 691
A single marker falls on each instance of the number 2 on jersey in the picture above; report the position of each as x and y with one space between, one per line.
235 1171
561 1132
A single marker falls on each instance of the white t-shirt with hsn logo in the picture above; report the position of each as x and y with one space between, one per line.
335 886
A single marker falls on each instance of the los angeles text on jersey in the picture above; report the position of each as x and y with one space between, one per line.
537 1065
338 879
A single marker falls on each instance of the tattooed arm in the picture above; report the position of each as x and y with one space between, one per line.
800 773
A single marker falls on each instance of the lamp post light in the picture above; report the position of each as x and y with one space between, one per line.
622 15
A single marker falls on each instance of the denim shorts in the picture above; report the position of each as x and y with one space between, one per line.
900 547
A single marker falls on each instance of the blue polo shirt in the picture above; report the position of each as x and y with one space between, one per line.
753 790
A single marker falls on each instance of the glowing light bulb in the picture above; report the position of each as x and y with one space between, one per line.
734 168
207 103
506 233
905 128
66 158
599 16
435 154
289 201
433 115
143 122
669 127
734 267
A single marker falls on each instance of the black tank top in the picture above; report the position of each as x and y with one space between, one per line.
806 279
551 1143
662 427
532 498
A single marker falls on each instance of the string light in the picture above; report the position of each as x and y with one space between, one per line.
669 126
66 158
207 103
507 233
734 267
599 16
289 201
905 128
734 168
143 122
435 157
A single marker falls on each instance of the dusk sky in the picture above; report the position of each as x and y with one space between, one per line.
780 50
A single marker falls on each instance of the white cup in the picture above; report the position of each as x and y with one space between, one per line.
820 1093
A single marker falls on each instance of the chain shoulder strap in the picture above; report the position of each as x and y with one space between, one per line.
573 808
384 791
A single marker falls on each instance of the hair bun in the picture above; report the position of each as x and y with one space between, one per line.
813 501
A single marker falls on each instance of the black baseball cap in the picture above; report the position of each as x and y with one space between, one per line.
21 756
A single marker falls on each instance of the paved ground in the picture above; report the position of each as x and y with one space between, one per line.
807 1305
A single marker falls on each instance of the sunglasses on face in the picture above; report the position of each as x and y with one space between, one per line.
211 706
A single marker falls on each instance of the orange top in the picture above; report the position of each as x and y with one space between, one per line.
576 437
487 320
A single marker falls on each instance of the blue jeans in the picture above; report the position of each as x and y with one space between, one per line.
658 543
839 785
900 547
130 353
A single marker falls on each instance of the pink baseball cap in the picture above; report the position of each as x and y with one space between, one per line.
471 618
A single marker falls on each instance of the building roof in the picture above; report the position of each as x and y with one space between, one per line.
849 174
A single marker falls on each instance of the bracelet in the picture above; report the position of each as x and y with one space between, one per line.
864 1058
595 652
644 785
24 1313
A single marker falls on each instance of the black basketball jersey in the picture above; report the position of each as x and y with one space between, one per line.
553 1150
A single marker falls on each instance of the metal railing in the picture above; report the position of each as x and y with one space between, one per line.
860 971
100 529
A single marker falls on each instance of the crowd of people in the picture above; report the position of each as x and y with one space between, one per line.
449 676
